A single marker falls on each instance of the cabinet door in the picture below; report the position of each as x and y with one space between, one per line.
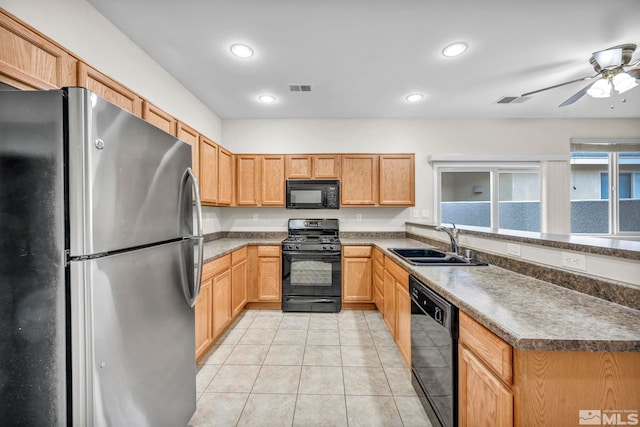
238 286
397 180
359 179
272 181
357 285
109 89
208 171
29 61
298 166
191 137
483 399
221 301
403 321
159 118
390 302
269 279
202 313
247 180
225 177
326 166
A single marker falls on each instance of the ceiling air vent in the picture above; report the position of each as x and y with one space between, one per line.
300 88
512 100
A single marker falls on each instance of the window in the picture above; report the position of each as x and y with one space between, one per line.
503 196
605 187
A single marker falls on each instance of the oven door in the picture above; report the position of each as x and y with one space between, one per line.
311 273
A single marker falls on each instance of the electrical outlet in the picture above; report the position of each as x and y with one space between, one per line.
426 214
574 261
416 213
358 217
513 249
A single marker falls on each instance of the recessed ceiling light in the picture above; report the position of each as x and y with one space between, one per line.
242 50
455 49
414 97
267 99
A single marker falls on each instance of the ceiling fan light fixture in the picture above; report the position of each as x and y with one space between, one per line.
455 49
622 82
600 89
609 57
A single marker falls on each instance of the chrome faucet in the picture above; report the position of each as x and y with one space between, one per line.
453 235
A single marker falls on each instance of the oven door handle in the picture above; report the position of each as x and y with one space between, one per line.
315 255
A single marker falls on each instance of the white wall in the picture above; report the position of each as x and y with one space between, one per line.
481 139
81 29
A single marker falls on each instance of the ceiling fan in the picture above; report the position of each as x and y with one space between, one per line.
611 66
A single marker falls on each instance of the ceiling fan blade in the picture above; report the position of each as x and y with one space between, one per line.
559 85
577 95
635 73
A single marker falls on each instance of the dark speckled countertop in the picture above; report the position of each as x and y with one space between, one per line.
528 313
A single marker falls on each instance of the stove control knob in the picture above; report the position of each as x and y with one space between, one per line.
297 246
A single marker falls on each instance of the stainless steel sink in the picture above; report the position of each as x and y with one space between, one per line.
427 256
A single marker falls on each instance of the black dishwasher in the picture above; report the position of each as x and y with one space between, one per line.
434 353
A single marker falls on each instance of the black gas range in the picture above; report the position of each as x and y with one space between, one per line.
312 266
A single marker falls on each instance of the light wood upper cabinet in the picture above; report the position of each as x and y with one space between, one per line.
30 61
247 180
357 284
225 177
299 166
359 179
312 166
326 166
192 137
208 171
272 181
159 118
109 89
397 180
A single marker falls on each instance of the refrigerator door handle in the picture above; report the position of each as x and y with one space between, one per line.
191 299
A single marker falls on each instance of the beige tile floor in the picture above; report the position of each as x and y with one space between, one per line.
306 369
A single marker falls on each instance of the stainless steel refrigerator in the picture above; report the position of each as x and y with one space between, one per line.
97 253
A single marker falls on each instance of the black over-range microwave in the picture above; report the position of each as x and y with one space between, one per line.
313 194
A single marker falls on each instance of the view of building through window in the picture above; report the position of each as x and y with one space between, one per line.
605 188
494 197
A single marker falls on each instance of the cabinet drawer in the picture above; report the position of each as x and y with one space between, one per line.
356 251
216 266
239 255
493 351
269 250
378 268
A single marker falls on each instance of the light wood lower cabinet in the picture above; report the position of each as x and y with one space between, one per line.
483 399
265 281
223 295
403 320
389 302
357 285
239 276
203 320
378 279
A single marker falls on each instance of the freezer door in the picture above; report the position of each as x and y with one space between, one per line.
126 186
133 342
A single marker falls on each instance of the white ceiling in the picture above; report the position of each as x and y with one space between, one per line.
362 57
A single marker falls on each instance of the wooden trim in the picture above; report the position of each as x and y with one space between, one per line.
358 306
258 305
